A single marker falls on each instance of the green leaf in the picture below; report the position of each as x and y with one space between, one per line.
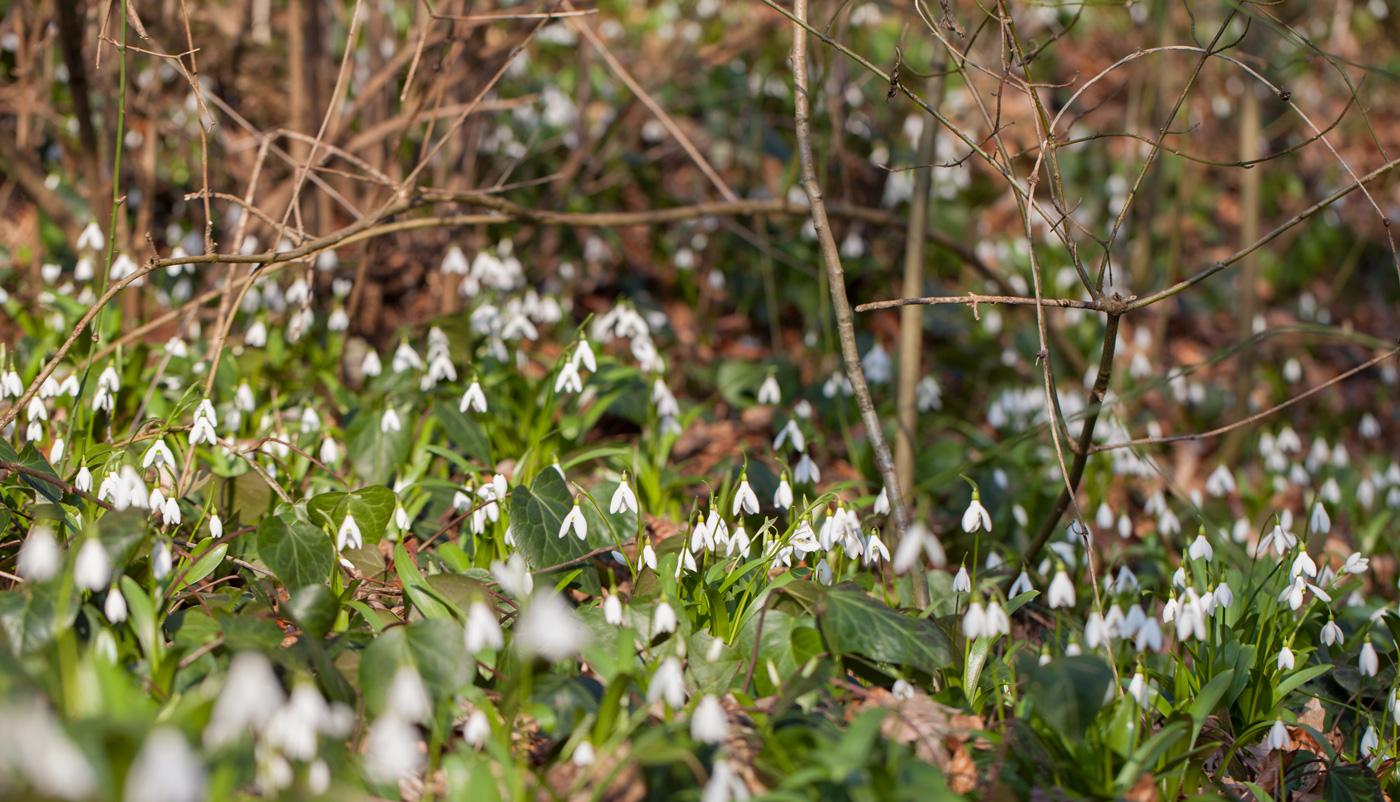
372 507
246 497
428 601
1068 692
463 432
433 647
31 458
377 454
1208 700
295 549
206 560
853 622
142 615
30 617
313 608
1146 755
1351 782
536 514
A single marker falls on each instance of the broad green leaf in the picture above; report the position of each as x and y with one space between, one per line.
433 647
376 454
313 608
1068 692
536 514
1146 755
142 615
853 622
246 497
463 432
427 601
30 616
1208 700
1293 681
30 458
296 550
206 560
1351 782
372 507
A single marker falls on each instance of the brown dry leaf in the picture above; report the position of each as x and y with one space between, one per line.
1312 716
961 771
1144 790
933 728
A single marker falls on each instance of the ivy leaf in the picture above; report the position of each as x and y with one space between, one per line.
433 647
853 622
536 513
31 458
372 507
1068 692
29 617
294 548
377 454
1351 782
463 432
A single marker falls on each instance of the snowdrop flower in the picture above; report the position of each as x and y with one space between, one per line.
250 696
514 576
1332 634
1285 659
1137 688
390 421
477 729
256 335
371 366
1319 522
663 618
1221 482
91 238
161 561
974 621
583 356
1201 549
745 499
170 512
1061 593
875 550
391 749
405 358
709 724
1223 595
882 502
330 452
782 498
790 432
807 470
1281 540
823 572
216 527
1355 564
612 610
1149 637
165 770
1368 662
348 535
584 755
623 498
976 517
1278 734
1302 565
667 683
769 392
40 556
92 569
549 628
473 398
1370 742
568 379
649 556
1021 585
574 520
961 582
482 630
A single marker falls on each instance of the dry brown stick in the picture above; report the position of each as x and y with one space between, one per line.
973 299
655 108
845 325
6 465
1256 417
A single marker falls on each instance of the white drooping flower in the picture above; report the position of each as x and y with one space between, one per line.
709 723
1368 662
514 576
549 628
482 630
165 770
1201 549
782 497
568 379
663 618
623 498
1355 564
114 608
477 729
1331 634
407 697
1319 522
40 557
1285 659
1220 482
612 610
391 749
1137 689
769 392
390 421
745 499
250 696
962 583
1021 585
575 521
92 569
1061 592
348 535
976 517
806 470
667 683
473 398
1278 736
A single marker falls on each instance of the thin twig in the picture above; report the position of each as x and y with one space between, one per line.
845 326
